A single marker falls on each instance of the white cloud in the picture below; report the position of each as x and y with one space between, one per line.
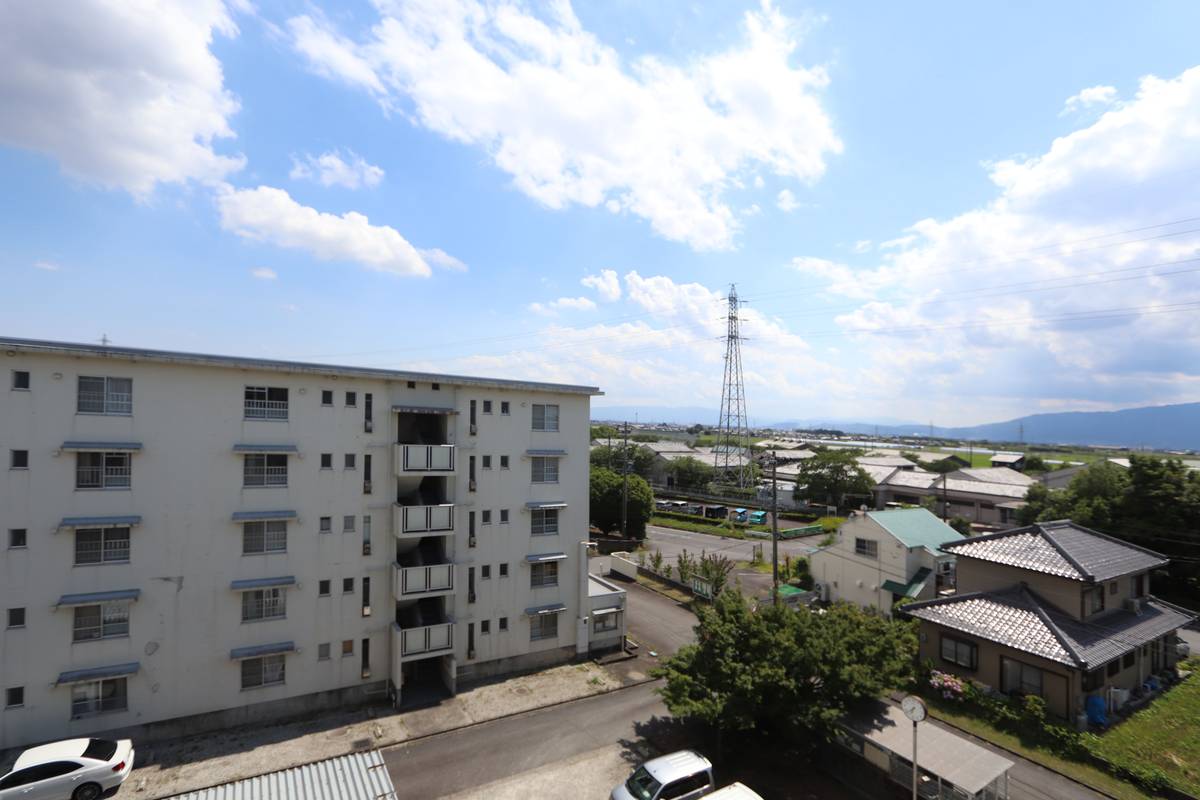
862 246
1092 96
125 95
270 215
759 182
752 210
331 169
264 273
573 123
47 266
440 258
290 308
607 284
563 304
786 201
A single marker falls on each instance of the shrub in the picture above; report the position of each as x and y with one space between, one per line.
951 687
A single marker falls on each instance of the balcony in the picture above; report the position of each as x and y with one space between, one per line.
426 640
266 409
419 458
436 520
425 581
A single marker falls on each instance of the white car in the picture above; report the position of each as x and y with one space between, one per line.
74 769
683 775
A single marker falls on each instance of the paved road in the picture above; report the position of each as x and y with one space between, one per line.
655 622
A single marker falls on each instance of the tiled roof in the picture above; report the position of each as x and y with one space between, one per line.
1060 548
669 446
885 461
993 475
1116 633
919 479
1007 458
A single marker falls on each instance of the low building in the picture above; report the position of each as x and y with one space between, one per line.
983 503
1011 460
606 609
994 474
880 557
1054 610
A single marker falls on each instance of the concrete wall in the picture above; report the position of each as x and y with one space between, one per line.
624 565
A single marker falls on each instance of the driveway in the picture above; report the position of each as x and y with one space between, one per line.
655 622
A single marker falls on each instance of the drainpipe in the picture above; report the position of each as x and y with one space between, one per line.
582 644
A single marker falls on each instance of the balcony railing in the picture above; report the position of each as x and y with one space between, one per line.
424 519
266 409
429 639
266 476
111 477
424 580
424 458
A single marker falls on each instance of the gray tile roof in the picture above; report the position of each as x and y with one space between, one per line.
993 475
1060 548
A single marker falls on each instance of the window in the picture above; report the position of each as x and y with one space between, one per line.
545 469
323 587
605 622
684 786
266 402
1093 600
325 525
503 623
957 651
17 538
101 546
544 521
348 523
503 515
503 462
470 640
1129 659
1137 585
545 417
327 397
368 411
487 406
543 626
1114 587
472 415
366 658
504 407
437 387
544 574
366 473
349 462
504 570
16 618
264 604
470 529
366 537
1017 677
323 651
485 627
347 647
265 469
14 697
97 395
366 596
412 384
1114 667
485 517
18 459
99 697
471 473
326 460
868 548
102 471
20 380
487 462
351 399
102 621
485 572
347 585
265 671
269 536
470 584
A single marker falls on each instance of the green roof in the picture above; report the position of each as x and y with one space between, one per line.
912 588
915 527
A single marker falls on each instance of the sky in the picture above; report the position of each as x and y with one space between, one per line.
956 213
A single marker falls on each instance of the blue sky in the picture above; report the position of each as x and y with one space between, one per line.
957 213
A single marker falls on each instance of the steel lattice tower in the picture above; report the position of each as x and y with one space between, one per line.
732 430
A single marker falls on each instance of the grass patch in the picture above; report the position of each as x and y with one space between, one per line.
762 566
1165 734
665 589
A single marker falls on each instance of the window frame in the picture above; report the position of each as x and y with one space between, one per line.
503 516
113 470
504 462
351 399
253 473
327 398
13 459
543 575
542 627
502 624
487 406
543 469
505 408
112 401
111 622
866 548
350 461
12 537
264 403
543 522
972 650
326 461
485 462
327 651
324 587
324 525
271 671
349 523
8 618
1022 687
549 422
267 599
601 624
120 692
8 697
269 530
13 385
105 554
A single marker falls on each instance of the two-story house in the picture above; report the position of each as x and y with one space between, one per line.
879 557
1053 609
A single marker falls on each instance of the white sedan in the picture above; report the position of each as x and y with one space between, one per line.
78 769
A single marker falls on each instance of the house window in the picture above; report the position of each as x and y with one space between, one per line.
96 395
366 473
99 697
326 460
956 651
437 387
266 402
470 529
18 459
16 617
487 404
366 535
503 516
470 584
504 569
265 671
544 521
325 525
504 408
545 469
503 462
20 380
485 517
349 463
351 399
323 587
326 397
487 462
485 627
348 523
323 651
1017 677
264 604
347 647
1114 587
101 546
605 623
102 471
545 417
264 469
543 626
14 697
544 574
17 538
485 572
101 621
269 536
503 623
868 548
347 585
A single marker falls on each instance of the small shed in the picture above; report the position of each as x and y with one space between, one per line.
1011 460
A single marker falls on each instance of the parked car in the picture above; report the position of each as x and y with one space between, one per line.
78 769
682 775
735 791
758 518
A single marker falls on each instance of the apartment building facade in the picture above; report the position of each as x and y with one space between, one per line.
198 541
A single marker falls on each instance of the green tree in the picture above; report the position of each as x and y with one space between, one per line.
1035 463
605 496
641 461
604 432
691 473
645 437
832 476
715 569
695 429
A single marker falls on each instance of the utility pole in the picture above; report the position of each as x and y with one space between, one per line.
944 503
625 487
774 529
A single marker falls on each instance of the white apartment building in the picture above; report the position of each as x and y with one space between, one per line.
196 541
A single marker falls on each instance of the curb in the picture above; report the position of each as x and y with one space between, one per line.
385 745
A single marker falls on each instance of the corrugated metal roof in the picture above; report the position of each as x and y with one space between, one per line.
357 776
262 583
914 527
96 673
109 447
265 448
257 650
993 475
255 516
100 522
98 597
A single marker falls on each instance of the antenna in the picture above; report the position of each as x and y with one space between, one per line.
732 432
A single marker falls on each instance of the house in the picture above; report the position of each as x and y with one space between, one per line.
994 475
1011 460
880 557
1055 610
893 461
984 503
946 458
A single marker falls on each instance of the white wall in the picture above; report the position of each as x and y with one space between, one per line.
860 579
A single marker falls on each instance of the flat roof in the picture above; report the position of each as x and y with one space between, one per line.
37 346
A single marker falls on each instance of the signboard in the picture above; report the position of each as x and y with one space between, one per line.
702 587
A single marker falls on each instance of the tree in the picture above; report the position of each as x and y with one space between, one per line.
695 429
831 476
606 489
641 461
604 432
691 473
715 569
1035 463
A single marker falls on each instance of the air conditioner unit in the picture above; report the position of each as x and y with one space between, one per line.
366 611
471 597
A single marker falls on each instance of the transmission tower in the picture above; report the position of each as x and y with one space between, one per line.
732 453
